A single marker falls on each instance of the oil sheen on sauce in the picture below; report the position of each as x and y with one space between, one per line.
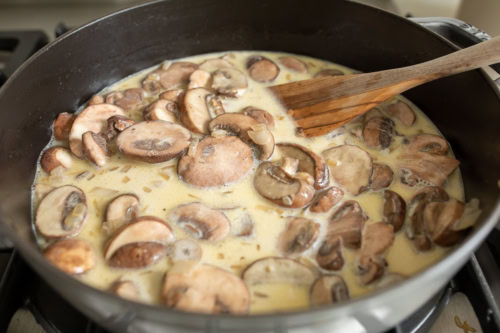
160 190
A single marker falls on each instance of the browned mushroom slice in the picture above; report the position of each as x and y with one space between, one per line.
377 238
261 116
199 79
137 255
427 143
126 289
130 98
309 162
350 166
73 256
382 176
204 288
299 235
326 199
215 162
401 111
394 209
173 95
347 222
293 64
56 157
154 141
185 249
92 119
329 289
162 109
229 82
211 65
329 72
194 112
329 255
378 132
201 221
425 168
440 218
176 74
95 148
262 69
274 184
121 210
278 270
119 123
97 99
62 212
151 83
62 125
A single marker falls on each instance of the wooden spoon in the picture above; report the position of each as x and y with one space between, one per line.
320 105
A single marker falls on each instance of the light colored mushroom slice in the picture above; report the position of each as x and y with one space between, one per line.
274 184
329 72
378 132
293 64
309 162
326 199
62 212
382 176
194 112
126 289
394 210
262 69
425 168
377 238
440 219
154 141
211 65
278 270
299 235
427 143
290 165
96 99
347 222
174 95
56 157
92 119
62 125
350 166
401 111
177 74
199 79
162 109
215 162
329 255
204 288
201 221
72 256
229 82
130 98
119 123
121 210
95 148
261 116
137 255
185 249
329 289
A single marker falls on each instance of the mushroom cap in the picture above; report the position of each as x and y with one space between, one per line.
62 212
229 82
126 289
401 111
94 119
278 270
154 141
62 125
216 162
204 288
55 157
262 69
427 143
326 199
299 235
329 254
137 255
123 208
162 109
72 256
378 132
382 176
95 148
129 98
194 112
176 74
260 115
201 221
329 289
394 209
293 63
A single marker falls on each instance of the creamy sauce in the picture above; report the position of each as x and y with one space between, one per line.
160 190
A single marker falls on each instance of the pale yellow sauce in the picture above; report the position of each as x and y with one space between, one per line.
158 196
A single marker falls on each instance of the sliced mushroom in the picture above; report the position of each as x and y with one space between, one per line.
261 116
427 143
309 162
62 125
278 270
129 98
62 212
347 222
214 105
215 162
329 289
199 79
326 199
56 157
440 219
290 165
126 289
174 95
119 123
177 74
185 249
72 256
382 176
121 210
211 65
137 255
299 235
329 72
394 209
262 69
162 109
205 288
154 141
378 132
97 99
401 111
95 148
350 166
229 82
293 64
201 221
329 255
151 83
194 112
92 119
377 238
274 184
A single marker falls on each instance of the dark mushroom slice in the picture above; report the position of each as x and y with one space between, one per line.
330 255
121 210
278 270
199 79
72 256
440 219
177 74
154 141
309 162
194 112
211 65
329 72
427 143
382 176
92 119
347 222
62 212
130 98
274 184
174 95
394 209
299 235
95 148
204 288
137 255
229 82
350 166
329 289
200 221
215 162
378 132
377 238
55 157
162 109
185 249
62 125
293 63
262 69
326 199
261 116
126 289
116 124
401 111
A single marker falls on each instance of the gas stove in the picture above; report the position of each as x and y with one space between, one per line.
469 303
